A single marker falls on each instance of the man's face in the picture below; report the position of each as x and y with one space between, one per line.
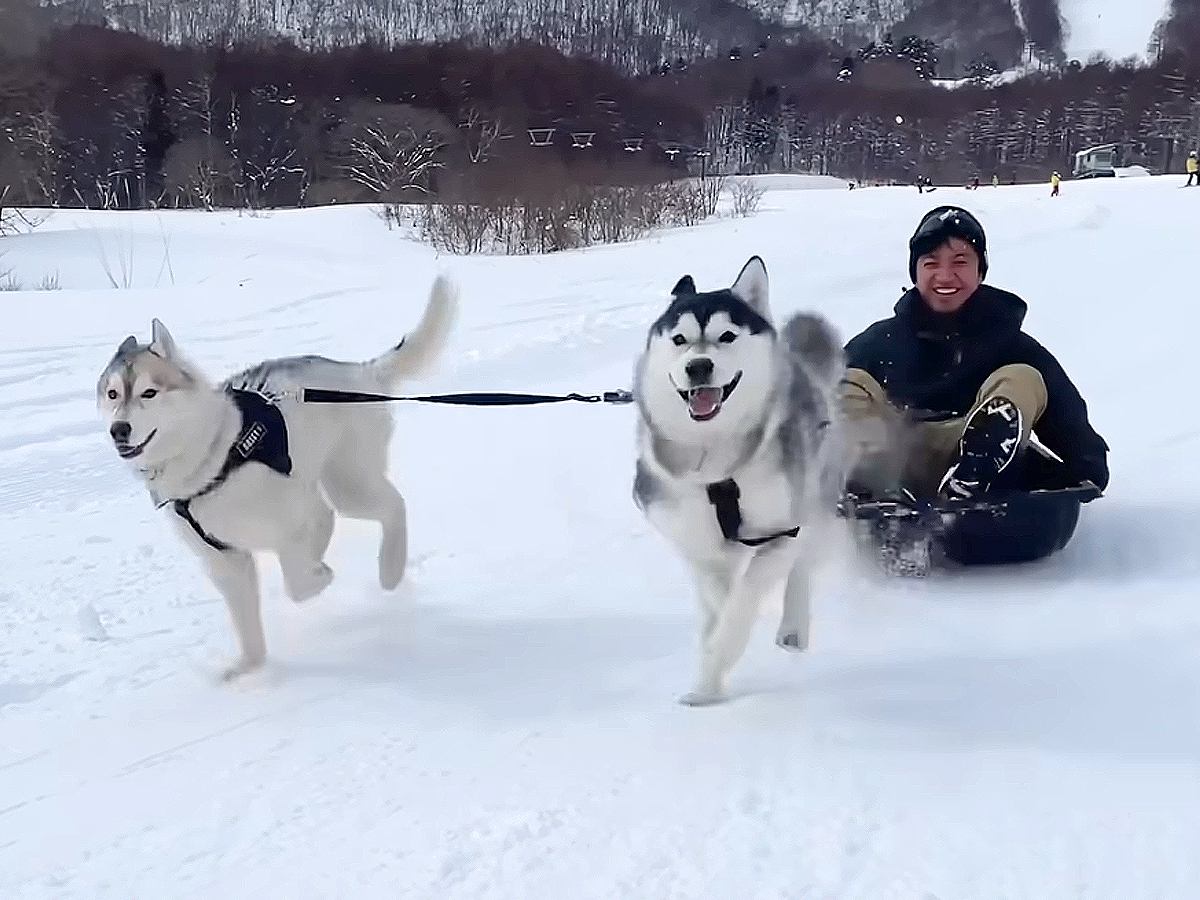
948 275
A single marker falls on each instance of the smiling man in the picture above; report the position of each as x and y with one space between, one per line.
943 397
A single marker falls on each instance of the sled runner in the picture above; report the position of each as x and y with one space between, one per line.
913 536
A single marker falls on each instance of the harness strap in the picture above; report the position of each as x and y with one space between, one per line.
183 510
263 439
724 496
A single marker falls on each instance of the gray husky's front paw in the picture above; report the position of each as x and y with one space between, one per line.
312 583
703 698
244 666
792 641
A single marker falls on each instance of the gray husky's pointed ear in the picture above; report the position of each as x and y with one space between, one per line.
685 285
751 286
161 341
127 346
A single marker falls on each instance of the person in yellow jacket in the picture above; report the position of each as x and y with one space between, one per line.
1193 170
1055 178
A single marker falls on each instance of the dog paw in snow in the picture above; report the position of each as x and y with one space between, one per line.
792 641
313 583
702 698
244 666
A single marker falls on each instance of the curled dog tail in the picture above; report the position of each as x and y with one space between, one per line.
420 348
815 341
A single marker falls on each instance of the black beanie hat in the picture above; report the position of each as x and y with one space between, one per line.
940 224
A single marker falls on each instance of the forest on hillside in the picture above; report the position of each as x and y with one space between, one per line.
99 117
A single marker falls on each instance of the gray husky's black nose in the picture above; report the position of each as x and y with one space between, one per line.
699 370
120 432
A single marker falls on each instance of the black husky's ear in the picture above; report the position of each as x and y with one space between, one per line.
684 286
751 286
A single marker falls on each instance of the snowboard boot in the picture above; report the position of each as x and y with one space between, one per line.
989 443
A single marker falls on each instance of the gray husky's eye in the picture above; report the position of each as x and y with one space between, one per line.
727 337
149 393
679 340
112 394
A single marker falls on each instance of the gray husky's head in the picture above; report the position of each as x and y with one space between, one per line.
147 396
708 361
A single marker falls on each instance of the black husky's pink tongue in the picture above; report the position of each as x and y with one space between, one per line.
703 402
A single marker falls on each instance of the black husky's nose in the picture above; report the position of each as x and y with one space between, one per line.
699 370
120 432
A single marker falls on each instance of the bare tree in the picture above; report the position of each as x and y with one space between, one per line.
198 165
481 133
37 140
746 195
397 150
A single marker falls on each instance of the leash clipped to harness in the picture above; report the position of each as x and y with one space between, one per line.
477 398
724 496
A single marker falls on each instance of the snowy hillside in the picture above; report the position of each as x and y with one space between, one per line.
832 17
506 725
1114 27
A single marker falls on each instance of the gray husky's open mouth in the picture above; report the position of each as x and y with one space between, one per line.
705 402
126 452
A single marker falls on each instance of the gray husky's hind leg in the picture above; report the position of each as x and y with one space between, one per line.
797 609
321 527
236 577
360 492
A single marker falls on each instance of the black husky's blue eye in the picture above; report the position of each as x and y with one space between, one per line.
727 337
149 393
679 340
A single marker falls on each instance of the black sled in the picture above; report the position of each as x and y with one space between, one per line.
914 536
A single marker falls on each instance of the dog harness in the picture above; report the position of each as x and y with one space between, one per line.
724 495
263 439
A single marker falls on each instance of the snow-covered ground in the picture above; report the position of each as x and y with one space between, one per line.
506 725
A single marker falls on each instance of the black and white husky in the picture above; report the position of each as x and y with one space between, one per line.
245 466
738 457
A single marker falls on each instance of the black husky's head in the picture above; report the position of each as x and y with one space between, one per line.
706 349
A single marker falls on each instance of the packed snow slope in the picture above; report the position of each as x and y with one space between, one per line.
505 726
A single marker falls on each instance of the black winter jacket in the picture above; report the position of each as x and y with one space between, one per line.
935 364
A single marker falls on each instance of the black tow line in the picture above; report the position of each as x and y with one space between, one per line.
477 398
722 495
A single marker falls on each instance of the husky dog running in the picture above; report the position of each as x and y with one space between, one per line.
245 466
737 457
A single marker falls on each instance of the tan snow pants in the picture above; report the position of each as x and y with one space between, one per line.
892 451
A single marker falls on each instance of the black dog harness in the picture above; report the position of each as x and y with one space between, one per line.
263 439
724 495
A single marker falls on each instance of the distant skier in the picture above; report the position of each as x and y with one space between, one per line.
1193 170
995 180
1055 178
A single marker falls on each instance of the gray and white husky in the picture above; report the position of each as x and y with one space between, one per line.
738 457
246 466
